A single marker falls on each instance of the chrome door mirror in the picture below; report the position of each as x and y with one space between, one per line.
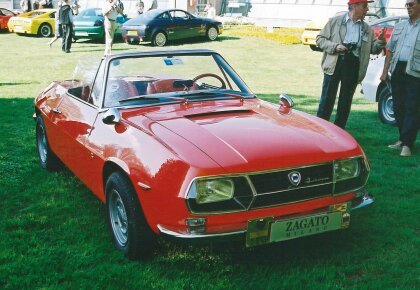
112 116
286 101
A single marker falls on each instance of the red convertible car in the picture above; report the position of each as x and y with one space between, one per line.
5 15
175 143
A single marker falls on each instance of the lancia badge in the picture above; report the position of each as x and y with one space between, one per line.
294 178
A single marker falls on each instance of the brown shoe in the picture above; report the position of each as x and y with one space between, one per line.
397 145
406 151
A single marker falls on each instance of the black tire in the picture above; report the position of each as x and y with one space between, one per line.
45 30
47 159
212 33
130 232
314 47
385 107
159 39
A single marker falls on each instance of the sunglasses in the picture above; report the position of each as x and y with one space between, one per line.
409 5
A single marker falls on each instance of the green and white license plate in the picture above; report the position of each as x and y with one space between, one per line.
266 230
132 32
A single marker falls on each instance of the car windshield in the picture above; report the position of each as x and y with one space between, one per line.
91 12
171 78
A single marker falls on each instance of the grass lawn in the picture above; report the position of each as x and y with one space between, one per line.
53 233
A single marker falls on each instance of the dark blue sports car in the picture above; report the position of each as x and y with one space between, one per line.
160 25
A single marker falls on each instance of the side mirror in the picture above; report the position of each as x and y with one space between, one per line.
112 116
286 103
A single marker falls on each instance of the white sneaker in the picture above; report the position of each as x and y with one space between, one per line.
397 145
406 151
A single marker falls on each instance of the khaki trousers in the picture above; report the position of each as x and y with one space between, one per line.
109 35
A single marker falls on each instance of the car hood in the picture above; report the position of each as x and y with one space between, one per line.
256 135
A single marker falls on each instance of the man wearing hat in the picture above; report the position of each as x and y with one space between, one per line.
347 42
403 62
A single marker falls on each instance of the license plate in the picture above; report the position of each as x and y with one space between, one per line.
264 231
81 33
18 28
132 32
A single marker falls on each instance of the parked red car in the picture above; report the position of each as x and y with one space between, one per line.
388 22
175 143
5 15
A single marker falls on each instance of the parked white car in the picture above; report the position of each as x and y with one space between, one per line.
376 91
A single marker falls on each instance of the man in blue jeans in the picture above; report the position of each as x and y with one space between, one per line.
347 42
403 61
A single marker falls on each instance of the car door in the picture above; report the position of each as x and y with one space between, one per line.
74 119
180 26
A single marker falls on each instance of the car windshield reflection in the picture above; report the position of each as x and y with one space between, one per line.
171 78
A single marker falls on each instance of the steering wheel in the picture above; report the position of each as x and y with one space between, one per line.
213 76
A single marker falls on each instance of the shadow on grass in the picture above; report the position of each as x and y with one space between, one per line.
16 83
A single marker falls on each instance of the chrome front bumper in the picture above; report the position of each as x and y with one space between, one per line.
357 203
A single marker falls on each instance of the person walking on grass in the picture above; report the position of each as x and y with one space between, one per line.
110 10
65 18
347 42
58 29
403 63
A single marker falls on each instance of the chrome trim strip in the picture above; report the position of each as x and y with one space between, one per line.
193 236
367 199
143 185
290 189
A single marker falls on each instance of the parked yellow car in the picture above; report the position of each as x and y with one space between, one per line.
312 29
39 22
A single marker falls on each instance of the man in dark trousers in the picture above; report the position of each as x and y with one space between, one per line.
65 15
347 42
403 62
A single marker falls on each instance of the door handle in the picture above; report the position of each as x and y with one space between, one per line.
56 111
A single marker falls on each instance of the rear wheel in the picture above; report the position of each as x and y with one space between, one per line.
159 39
45 30
130 231
212 33
47 158
386 107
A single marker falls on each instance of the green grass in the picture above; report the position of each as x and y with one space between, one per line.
53 232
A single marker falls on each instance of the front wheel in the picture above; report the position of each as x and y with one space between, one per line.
386 107
212 33
159 39
130 231
45 30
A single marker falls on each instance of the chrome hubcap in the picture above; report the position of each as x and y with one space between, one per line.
42 143
389 108
118 217
212 33
160 39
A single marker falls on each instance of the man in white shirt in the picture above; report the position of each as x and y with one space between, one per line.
110 10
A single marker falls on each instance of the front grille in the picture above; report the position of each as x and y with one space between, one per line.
274 188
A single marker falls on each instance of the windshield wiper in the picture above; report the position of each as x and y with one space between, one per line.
148 97
212 93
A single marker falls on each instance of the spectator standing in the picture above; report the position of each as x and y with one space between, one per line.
75 7
58 28
110 11
140 7
65 18
347 42
211 11
403 62
36 5
26 5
